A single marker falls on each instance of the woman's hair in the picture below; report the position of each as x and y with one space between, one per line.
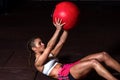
31 58
31 44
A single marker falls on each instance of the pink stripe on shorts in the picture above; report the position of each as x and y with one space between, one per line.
64 71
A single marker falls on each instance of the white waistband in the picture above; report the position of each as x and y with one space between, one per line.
52 68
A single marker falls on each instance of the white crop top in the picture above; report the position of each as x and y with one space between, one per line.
49 65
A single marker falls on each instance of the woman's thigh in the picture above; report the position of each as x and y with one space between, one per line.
98 56
81 69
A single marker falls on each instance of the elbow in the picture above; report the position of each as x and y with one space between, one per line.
49 45
62 41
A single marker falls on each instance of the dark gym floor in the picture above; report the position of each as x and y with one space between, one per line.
98 30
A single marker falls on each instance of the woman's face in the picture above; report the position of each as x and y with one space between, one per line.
39 45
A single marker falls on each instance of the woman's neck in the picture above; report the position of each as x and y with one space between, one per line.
37 56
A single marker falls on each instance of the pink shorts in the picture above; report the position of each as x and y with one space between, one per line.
65 70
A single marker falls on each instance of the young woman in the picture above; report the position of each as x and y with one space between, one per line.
47 63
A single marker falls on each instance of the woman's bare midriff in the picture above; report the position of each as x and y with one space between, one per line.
55 70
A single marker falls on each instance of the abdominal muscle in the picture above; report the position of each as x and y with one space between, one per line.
55 70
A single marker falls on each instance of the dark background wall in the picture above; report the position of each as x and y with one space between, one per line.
98 30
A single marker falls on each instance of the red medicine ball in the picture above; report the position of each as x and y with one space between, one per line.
68 12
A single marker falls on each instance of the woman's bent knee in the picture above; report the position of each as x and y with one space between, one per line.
94 62
106 56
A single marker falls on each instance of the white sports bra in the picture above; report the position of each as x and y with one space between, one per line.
49 65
